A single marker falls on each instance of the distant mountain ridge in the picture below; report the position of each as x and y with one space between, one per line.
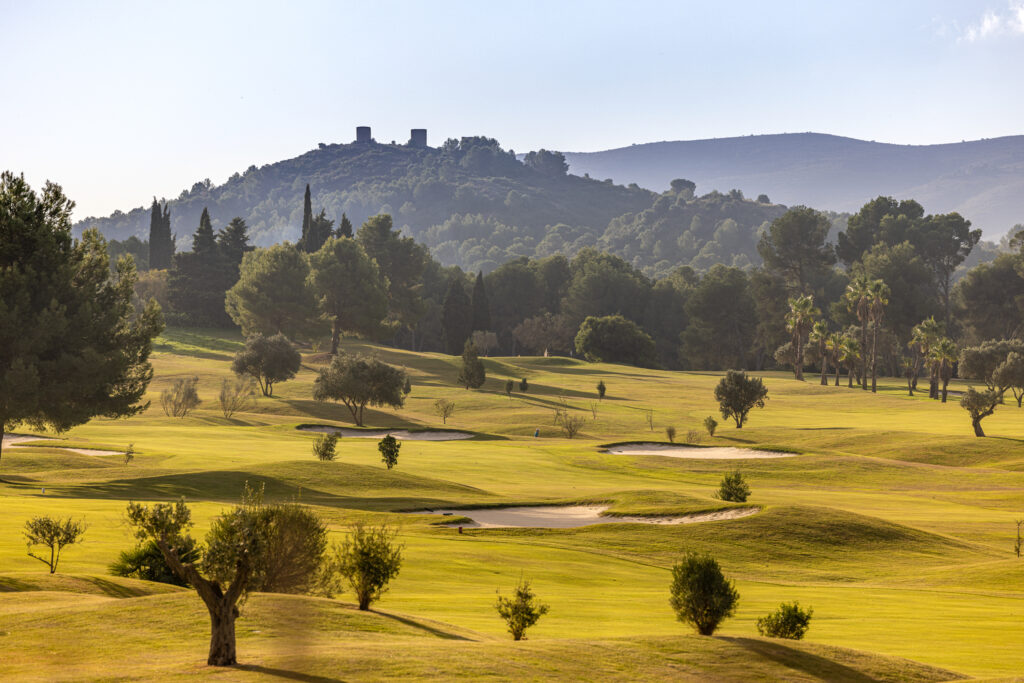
981 179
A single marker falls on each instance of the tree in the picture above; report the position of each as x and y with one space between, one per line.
521 611
723 320
252 547
799 321
484 341
161 243
509 386
358 381
268 361
990 298
548 163
54 534
236 395
858 301
233 244
1010 373
546 332
982 362
344 227
72 347
883 219
850 356
389 447
794 247
273 294
456 317
444 409
181 398
734 488
204 241
710 424
472 374
833 348
979 404
324 445
367 560
819 335
700 595
943 355
146 562
878 299
944 241
601 390
524 385
305 241
349 288
402 263
480 305
788 621
738 394
923 337
614 339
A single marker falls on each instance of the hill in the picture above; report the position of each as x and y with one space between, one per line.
981 179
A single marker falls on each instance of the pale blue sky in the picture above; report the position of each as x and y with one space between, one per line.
120 101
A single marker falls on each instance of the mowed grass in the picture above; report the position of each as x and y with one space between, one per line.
893 522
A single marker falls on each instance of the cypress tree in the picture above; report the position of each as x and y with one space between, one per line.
320 230
203 241
307 222
161 244
481 307
456 317
344 227
472 375
233 242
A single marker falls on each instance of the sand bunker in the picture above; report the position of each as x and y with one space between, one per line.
571 516
402 434
14 441
695 452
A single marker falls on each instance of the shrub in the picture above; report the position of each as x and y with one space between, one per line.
54 534
670 432
129 454
389 447
734 488
472 375
181 398
601 389
710 424
146 562
521 611
693 437
700 595
367 560
615 339
324 445
268 360
236 395
572 424
407 387
444 409
738 394
788 621
509 386
523 385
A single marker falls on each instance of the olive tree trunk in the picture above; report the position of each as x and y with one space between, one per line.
976 423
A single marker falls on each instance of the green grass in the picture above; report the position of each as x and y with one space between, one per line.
892 521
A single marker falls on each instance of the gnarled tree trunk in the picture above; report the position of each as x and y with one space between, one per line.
976 423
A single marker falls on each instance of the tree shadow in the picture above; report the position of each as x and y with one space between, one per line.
286 674
799 660
446 635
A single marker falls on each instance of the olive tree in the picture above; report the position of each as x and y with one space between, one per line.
358 381
521 611
979 404
788 621
738 394
268 360
367 560
700 594
54 534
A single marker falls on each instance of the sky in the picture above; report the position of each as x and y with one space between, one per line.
122 101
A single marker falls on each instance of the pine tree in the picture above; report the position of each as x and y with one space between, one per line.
344 227
307 222
204 241
320 230
481 307
456 317
161 243
472 375
233 242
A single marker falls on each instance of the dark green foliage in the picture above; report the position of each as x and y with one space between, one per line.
344 227
614 339
984 361
71 345
734 488
204 241
979 405
722 321
509 386
521 611
389 447
601 389
132 246
523 385
161 243
456 317
367 560
700 595
604 285
990 298
794 247
273 294
1010 374
547 163
54 534
305 243
710 424
481 307
268 360
738 394
146 562
407 387
402 263
358 381
788 621
324 445
181 398
472 374
349 287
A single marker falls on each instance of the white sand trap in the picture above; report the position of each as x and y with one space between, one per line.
695 452
571 516
402 434
14 441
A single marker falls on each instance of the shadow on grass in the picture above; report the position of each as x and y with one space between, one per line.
286 674
798 660
446 635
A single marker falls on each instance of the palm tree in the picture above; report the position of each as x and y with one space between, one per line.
943 354
798 321
858 301
849 355
819 335
834 345
879 298
922 338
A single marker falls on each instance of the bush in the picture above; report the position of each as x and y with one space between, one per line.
367 560
738 394
521 611
601 390
670 432
693 437
236 395
710 424
146 562
324 445
472 375
54 534
700 595
734 488
615 339
407 387
509 386
268 360
572 424
788 621
523 385
181 398
389 448
444 409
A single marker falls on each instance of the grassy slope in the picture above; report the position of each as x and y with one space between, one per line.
895 523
